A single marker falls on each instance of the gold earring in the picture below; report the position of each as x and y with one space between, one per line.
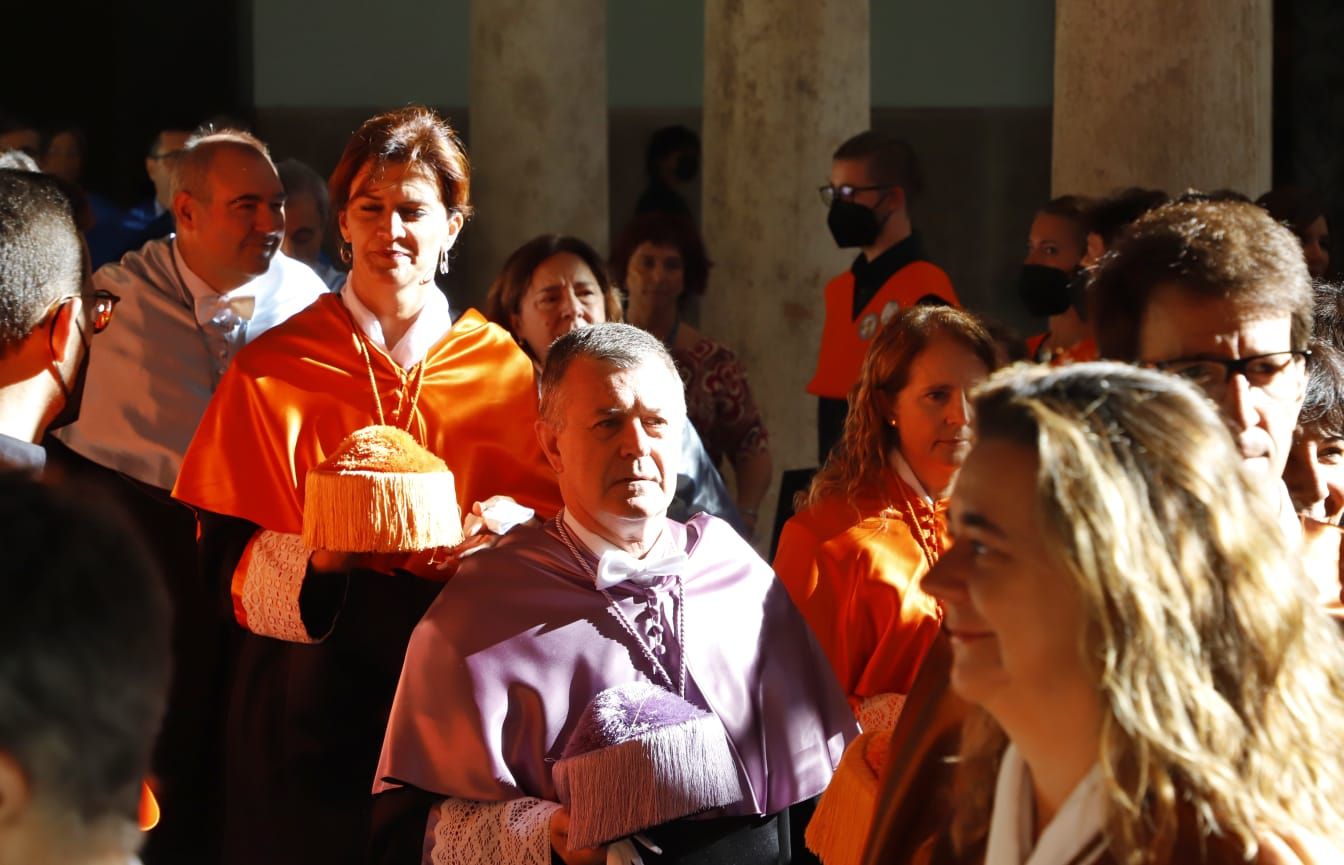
347 253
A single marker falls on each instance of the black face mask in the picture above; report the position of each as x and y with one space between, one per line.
688 165
852 224
1044 290
74 392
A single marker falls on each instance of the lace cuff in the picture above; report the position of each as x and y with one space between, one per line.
464 832
880 711
266 587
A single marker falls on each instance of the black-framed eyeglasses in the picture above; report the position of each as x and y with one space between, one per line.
100 309
844 192
98 306
1264 371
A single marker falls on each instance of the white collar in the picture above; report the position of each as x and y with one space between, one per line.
897 461
431 323
1075 826
200 290
597 545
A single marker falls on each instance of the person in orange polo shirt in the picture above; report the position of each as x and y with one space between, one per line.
873 176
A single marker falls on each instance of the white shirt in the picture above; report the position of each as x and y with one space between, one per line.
896 460
223 317
1076 825
431 323
152 372
598 545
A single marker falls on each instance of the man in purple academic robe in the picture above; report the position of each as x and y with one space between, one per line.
609 592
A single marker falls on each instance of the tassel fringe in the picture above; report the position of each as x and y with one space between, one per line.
380 512
662 776
839 828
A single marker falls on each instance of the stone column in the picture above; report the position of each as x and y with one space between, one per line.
1162 94
785 84
537 127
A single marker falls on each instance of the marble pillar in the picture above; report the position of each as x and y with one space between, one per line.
1162 94
537 136
785 84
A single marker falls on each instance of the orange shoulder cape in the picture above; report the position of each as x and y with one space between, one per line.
853 570
291 396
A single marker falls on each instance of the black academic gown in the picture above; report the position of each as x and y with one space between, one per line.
187 764
304 723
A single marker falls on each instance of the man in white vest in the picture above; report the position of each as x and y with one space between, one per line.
189 303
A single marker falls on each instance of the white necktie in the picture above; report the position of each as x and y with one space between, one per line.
219 309
617 566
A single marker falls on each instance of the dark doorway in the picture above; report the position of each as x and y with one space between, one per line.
1309 106
121 70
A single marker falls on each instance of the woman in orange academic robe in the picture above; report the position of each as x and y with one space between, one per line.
323 634
871 525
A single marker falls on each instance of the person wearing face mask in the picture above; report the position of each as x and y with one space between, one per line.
321 634
48 314
1056 246
190 302
873 178
554 284
673 160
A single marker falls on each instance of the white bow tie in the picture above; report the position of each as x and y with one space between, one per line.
241 307
617 566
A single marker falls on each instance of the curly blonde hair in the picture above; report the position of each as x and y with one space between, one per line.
855 465
1222 683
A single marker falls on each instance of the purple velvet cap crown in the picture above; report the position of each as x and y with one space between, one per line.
641 756
627 712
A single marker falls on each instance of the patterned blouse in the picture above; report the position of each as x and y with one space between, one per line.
719 401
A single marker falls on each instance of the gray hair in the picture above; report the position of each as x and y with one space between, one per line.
623 346
191 165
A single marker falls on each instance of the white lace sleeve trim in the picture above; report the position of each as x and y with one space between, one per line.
273 568
485 833
880 712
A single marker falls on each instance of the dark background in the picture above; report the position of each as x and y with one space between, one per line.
123 70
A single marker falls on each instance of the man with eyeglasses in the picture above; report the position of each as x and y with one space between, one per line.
47 316
873 177
1217 292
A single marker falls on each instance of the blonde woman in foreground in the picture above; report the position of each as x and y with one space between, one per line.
1155 684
